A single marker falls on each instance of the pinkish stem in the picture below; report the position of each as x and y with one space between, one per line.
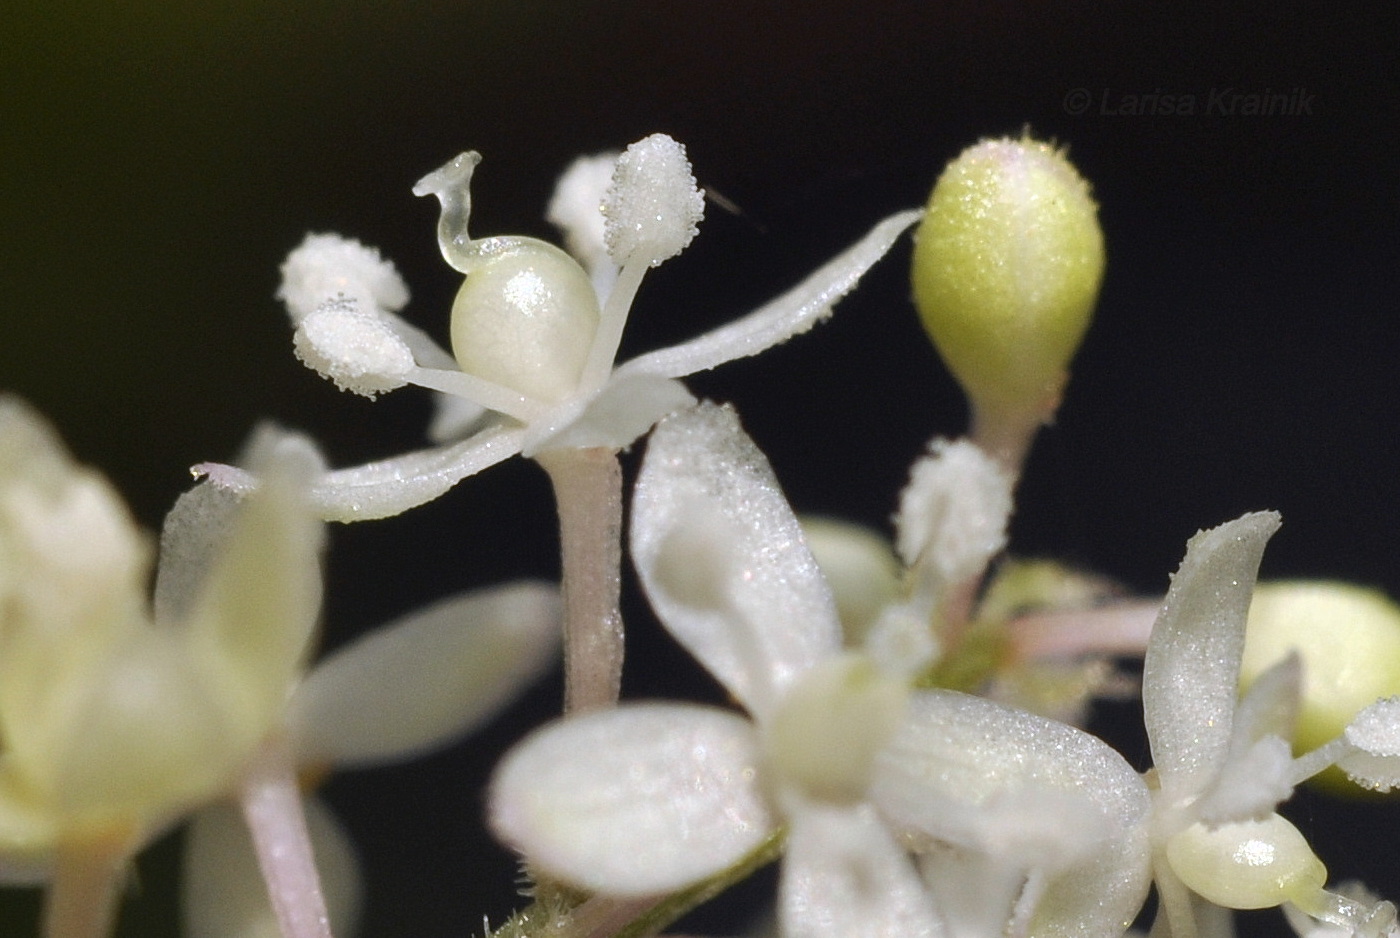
1118 629
588 492
81 901
271 801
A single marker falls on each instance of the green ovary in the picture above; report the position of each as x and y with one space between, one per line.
1249 865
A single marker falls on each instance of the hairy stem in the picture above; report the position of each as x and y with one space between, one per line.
553 916
588 493
271 801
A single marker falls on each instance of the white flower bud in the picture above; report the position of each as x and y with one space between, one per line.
653 207
353 347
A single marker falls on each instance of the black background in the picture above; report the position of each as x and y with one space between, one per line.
161 158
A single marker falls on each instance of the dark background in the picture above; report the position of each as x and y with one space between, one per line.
161 158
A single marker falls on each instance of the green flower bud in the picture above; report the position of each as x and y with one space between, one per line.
1007 266
1348 638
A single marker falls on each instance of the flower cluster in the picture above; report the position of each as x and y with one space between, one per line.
906 730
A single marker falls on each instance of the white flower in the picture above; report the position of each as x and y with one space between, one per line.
647 798
113 719
1221 763
1023 826
650 797
398 692
531 340
119 717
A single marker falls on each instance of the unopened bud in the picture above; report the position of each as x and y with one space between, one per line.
1007 266
1348 639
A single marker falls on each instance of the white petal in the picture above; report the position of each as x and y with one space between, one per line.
723 559
391 486
193 531
642 799
252 624
73 565
860 566
1270 706
1251 784
26 829
845 877
1192 666
223 893
964 769
1258 772
1376 734
149 732
791 314
626 408
576 209
975 894
454 417
420 682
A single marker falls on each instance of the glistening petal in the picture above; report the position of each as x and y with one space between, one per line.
723 559
390 486
1030 797
250 628
190 539
420 682
845 877
626 408
775 322
1191 670
639 800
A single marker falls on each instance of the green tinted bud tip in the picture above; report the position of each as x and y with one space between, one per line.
1007 266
